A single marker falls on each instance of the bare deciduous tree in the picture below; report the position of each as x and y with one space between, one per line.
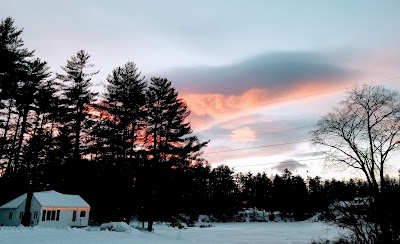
362 133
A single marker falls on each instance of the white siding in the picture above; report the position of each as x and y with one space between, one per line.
35 207
4 217
65 219
16 216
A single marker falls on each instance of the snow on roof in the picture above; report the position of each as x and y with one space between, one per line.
15 203
50 199
56 199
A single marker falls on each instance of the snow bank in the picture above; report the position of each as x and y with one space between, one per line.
221 233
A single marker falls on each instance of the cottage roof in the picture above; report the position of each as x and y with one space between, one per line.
15 203
50 199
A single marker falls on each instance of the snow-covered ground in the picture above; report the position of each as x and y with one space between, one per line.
269 232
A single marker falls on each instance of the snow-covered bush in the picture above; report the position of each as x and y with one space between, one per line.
251 215
116 226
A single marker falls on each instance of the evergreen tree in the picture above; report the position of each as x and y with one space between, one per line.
224 192
169 140
317 198
76 83
117 138
262 190
13 60
27 91
124 112
168 132
298 193
289 189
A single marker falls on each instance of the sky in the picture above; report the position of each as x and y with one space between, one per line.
257 75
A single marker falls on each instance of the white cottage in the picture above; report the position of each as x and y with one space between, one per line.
48 208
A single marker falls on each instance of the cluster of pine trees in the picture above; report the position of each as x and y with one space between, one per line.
128 151
57 133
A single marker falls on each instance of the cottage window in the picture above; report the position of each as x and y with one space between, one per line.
53 215
44 215
35 215
58 215
48 216
74 216
10 215
83 213
21 214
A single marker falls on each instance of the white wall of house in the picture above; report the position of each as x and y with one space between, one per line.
65 218
35 212
16 217
5 217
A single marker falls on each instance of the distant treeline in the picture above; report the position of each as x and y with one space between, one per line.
128 151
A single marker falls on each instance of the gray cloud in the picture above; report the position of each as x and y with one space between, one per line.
273 71
311 154
290 164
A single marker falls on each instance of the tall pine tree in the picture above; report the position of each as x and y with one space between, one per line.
169 142
75 121
169 136
77 98
117 138
124 105
13 61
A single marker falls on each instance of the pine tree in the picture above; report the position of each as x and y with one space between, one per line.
117 137
168 133
169 140
13 61
77 98
125 113
263 190
36 73
224 192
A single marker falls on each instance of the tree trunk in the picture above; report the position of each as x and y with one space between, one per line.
77 136
8 119
6 128
21 136
150 225
26 218
11 166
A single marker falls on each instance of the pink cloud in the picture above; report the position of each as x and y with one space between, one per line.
210 109
245 134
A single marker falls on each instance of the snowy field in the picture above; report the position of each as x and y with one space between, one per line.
270 232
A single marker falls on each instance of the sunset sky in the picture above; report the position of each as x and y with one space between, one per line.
257 75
